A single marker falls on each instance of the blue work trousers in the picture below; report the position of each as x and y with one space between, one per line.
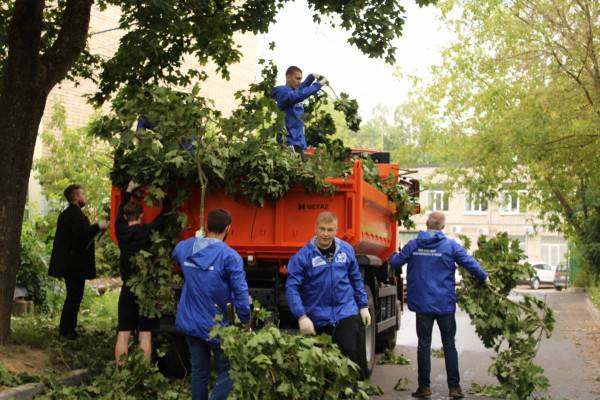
447 325
200 355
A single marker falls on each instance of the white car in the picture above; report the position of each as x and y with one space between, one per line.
544 274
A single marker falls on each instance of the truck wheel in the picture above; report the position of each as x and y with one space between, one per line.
370 333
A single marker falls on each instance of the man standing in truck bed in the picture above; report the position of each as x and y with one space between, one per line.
289 99
325 291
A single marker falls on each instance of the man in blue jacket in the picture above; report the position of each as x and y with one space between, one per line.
289 99
326 293
213 276
431 294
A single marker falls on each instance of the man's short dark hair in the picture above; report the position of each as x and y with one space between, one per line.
70 192
292 70
132 211
218 220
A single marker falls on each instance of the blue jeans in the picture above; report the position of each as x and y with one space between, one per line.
200 352
447 325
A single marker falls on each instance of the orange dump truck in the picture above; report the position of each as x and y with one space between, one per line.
268 236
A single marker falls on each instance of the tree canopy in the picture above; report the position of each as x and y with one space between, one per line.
158 34
516 102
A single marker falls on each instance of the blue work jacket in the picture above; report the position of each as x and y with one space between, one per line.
289 101
213 276
326 292
430 275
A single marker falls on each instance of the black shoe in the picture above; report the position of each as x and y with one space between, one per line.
69 335
422 392
456 393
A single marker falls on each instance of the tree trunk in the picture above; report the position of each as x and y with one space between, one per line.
18 136
27 79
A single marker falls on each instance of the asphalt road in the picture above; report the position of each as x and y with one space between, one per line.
571 357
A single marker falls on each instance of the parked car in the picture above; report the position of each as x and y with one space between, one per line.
561 277
544 275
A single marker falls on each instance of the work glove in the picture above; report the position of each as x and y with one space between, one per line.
131 186
365 316
322 80
306 326
102 225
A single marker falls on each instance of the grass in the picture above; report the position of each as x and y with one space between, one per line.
94 346
593 293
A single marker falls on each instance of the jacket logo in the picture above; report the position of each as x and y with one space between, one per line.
192 265
427 253
341 257
318 261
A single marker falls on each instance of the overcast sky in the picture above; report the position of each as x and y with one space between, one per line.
322 49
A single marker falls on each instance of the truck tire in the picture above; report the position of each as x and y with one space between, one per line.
370 333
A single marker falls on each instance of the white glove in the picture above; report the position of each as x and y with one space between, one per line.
132 186
306 326
322 80
365 316
102 225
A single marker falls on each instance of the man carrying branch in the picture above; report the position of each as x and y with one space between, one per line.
431 294
133 237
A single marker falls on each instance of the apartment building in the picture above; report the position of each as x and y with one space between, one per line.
104 40
470 215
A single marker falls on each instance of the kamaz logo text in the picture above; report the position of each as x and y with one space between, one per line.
313 206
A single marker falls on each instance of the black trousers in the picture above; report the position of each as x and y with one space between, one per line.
68 317
349 335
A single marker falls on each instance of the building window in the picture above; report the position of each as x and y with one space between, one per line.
438 200
510 202
554 253
475 203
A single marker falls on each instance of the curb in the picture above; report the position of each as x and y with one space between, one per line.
575 289
28 390
23 392
595 313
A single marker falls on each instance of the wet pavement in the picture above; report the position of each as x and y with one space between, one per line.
571 357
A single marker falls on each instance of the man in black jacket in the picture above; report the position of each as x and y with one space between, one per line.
134 236
73 255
